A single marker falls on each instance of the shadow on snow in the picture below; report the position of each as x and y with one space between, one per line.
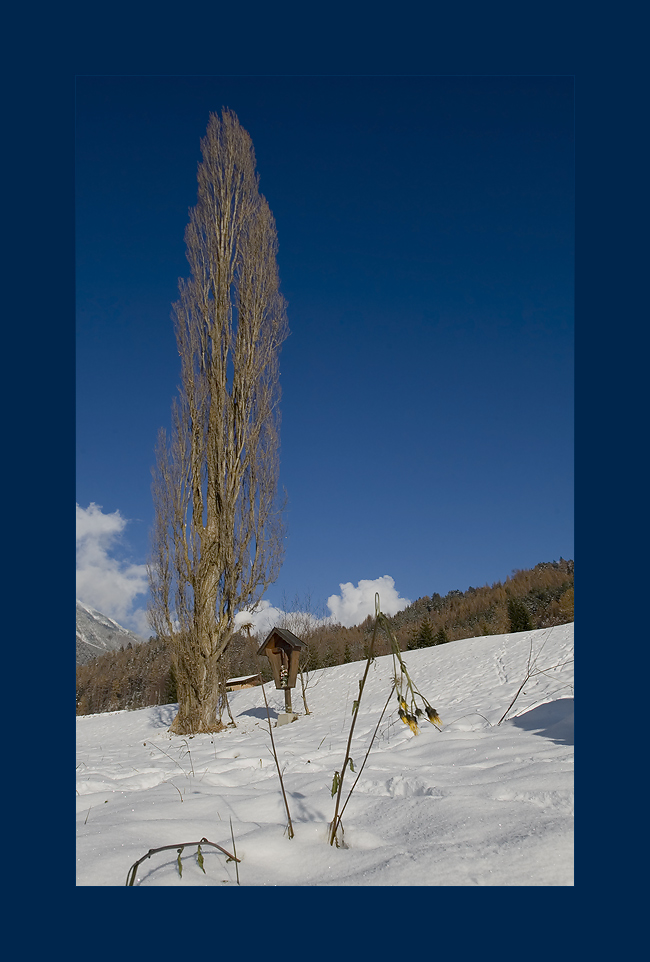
553 720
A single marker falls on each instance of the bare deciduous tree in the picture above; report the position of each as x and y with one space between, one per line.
217 538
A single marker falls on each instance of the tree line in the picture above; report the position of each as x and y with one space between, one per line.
144 675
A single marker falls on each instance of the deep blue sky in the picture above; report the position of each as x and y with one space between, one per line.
426 232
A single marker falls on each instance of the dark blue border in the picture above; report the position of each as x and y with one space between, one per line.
50 50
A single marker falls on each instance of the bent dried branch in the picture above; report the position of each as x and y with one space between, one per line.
130 878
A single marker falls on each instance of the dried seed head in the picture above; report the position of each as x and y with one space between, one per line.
433 716
411 721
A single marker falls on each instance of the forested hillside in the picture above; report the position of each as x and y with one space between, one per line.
535 598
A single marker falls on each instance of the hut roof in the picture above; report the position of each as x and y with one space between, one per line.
242 679
285 635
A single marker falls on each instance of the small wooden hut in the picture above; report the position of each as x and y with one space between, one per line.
244 681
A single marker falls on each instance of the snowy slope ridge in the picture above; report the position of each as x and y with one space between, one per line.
97 634
478 803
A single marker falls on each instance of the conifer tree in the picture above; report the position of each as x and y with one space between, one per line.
518 615
441 637
423 637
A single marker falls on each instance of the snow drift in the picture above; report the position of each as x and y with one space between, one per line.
478 803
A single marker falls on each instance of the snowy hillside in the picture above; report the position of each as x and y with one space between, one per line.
477 803
97 634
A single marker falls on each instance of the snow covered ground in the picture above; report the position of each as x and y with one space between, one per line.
477 803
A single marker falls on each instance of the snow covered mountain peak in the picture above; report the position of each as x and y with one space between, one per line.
97 634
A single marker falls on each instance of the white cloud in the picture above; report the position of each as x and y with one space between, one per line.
349 608
263 619
103 581
266 617
353 605
111 586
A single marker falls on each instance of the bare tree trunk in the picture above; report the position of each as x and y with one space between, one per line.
217 540
303 685
198 709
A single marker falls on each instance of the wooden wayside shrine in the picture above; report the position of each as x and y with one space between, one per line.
283 650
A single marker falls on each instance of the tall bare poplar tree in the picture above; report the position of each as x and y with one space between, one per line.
217 538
